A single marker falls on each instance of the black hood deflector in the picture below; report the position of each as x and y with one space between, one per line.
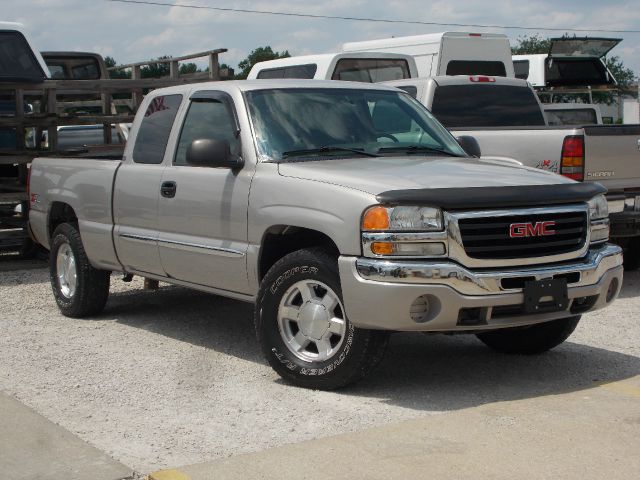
494 197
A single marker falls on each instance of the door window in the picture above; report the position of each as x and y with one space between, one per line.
207 119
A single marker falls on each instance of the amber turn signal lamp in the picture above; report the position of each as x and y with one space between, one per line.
376 218
382 248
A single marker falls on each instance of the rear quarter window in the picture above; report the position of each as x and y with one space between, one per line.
155 128
482 105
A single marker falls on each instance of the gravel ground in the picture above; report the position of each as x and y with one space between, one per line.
175 377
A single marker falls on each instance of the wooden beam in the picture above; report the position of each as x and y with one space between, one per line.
214 67
173 70
49 121
169 60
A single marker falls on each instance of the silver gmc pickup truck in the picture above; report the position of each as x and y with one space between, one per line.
343 210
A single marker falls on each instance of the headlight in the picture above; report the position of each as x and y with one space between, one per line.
599 213
403 231
402 219
598 207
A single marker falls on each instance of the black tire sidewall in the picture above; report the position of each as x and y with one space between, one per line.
293 268
92 285
61 236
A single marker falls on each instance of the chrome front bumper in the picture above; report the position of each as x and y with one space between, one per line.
382 293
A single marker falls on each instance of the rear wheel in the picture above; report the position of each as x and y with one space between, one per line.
79 289
530 340
303 329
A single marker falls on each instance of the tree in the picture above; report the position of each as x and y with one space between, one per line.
111 62
529 45
156 70
187 68
260 54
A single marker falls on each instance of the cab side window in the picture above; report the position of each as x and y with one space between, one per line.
155 128
207 119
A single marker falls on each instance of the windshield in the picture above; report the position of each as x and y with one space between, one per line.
324 123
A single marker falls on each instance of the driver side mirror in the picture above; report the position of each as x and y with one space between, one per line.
470 145
212 152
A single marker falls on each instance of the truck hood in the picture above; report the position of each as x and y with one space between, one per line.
377 175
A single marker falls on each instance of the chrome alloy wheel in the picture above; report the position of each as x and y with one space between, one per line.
312 321
66 270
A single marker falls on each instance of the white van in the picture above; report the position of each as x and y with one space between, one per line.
448 53
356 67
571 62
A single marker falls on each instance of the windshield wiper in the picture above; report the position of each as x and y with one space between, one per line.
411 149
325 149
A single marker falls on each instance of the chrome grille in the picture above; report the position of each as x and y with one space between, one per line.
489 237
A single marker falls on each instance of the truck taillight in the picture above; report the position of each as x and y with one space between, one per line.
572 158
481 79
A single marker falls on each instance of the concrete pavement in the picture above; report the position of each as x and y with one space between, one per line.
589 434
33 448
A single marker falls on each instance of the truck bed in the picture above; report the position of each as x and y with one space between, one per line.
86 185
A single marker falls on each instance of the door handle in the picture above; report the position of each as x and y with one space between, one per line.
168 189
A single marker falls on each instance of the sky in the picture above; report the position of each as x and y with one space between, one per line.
131 33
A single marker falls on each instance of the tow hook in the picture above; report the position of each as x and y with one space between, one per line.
127 277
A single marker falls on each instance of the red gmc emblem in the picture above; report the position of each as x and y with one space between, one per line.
538 229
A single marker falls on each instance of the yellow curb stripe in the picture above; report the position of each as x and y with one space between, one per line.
624 388
168 475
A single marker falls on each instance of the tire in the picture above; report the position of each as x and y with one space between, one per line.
85 294
530 340
330 352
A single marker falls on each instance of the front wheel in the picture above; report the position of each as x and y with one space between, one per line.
79 289
303 329
530 340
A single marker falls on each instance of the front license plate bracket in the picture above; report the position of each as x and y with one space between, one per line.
544 296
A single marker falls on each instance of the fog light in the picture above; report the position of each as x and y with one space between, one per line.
419 312
425 308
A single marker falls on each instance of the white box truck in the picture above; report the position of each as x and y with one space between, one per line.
448 53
